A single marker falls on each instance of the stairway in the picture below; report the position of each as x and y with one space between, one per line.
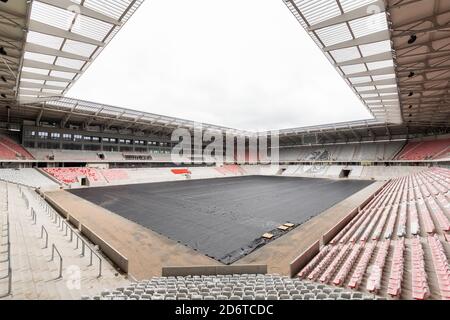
4 240
35 275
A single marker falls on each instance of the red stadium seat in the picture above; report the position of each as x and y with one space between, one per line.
72 175
420 289
425 150
17 150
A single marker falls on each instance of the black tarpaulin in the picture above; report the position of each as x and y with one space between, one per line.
223 218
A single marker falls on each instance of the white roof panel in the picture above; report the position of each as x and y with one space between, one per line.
64 38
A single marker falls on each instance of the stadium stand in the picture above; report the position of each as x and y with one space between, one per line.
29 177
230 170
356 172
344 152
204 173
6 153
425 150
112 175
75 155
46 248
10 150
410 214
229 287
74 175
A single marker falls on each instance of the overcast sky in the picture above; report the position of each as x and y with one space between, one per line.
246 64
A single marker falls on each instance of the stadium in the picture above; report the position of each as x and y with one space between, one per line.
93 205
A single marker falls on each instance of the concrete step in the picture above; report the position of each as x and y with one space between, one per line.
34 275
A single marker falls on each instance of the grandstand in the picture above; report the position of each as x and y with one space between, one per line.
93 205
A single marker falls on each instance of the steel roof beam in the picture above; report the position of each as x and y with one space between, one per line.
422 82
35 48
407 70
376 83
373 58
40 27
10 37
370 38
364 11
31 100
47 66
385 90
32 85
435 53
375 72
38 76
37 93
392 96
67 4
413 22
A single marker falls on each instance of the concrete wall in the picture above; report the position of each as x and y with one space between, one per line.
330 234
298 263
213 270
120 260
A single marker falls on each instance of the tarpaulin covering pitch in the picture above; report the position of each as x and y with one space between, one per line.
223 218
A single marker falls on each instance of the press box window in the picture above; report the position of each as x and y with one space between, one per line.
43 135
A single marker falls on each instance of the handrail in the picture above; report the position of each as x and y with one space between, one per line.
18 183
60 259
46 236
85 244
61 223
33 216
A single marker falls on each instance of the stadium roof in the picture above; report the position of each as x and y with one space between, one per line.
394 54
357 131
67 110
354 36
421 39
49 44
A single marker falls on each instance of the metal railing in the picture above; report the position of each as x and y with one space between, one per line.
46 236
68 230
33 216
63 226
8 244
54 249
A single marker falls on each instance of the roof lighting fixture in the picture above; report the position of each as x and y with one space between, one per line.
412 39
